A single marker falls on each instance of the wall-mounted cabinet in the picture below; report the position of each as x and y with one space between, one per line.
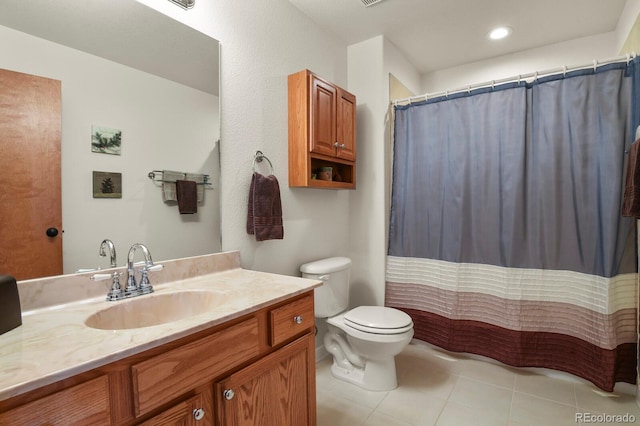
322 133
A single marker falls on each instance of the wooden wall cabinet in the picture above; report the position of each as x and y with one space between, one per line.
258 369
322 132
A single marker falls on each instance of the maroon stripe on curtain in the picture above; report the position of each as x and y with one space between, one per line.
600 366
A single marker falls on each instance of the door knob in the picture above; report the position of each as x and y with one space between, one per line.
228 394
52 232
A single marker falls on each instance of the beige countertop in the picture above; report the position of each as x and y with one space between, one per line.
53 342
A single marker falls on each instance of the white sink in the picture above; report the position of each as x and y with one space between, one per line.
154 309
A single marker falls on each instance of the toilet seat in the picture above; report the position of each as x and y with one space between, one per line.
378 320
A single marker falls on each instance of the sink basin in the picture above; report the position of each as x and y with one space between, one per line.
154 309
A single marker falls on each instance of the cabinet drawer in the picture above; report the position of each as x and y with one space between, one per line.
83 404
291 319
167 376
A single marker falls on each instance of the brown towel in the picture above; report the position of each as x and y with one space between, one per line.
264 215
187 194
631 197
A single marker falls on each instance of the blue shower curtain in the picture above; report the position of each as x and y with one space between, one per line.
506 238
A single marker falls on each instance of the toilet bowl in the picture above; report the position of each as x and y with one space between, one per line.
363 341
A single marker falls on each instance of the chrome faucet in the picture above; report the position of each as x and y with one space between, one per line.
112 251
133 289
115 293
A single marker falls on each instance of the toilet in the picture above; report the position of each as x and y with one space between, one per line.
364 340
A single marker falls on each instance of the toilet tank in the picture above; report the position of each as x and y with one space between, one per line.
332 297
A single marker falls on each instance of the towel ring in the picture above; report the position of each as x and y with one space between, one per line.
258 157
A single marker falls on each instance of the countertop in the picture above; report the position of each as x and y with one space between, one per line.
53 342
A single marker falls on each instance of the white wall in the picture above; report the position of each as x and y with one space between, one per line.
571 53
625 23
262 42
370 64
366 248
164 126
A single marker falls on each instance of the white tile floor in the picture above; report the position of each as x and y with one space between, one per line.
443 388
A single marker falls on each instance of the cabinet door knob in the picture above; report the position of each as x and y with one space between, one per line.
336 144
228 394
297 319
342 146
198 413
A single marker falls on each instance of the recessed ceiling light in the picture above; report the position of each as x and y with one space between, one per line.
499 33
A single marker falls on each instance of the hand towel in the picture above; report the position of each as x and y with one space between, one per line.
169 179
186 191
631 197
264 215
199 179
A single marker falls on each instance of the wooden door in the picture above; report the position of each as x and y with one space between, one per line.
346 126
30 138
277 390
323 117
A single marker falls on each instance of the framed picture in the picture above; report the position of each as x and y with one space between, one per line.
107 185
105 140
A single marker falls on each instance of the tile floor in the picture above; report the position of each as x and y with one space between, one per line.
443 388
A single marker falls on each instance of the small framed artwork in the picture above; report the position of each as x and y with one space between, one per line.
107 185
105 140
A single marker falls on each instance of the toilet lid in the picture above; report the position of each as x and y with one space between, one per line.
378 319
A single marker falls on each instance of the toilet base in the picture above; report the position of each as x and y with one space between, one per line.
377 374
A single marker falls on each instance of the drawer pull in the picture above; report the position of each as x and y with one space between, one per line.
198 413
297 319
228 394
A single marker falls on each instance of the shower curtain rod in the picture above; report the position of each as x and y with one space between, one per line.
522 77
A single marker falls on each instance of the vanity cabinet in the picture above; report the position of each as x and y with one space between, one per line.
257 369
322 132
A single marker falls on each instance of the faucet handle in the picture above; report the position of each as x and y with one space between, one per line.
155 268
145 285
100 277
115 293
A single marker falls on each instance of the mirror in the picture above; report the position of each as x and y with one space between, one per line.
127 67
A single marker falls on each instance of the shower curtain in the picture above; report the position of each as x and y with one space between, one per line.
506 238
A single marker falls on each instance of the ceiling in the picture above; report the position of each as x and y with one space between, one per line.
126 32
439 34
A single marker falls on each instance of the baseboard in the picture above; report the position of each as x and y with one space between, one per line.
321 353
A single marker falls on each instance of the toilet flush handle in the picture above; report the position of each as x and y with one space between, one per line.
324 277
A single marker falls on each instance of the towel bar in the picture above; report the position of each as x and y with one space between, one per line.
258 157
152 176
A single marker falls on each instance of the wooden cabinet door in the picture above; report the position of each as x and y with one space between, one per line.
346 126
277 390
195 411
323 117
